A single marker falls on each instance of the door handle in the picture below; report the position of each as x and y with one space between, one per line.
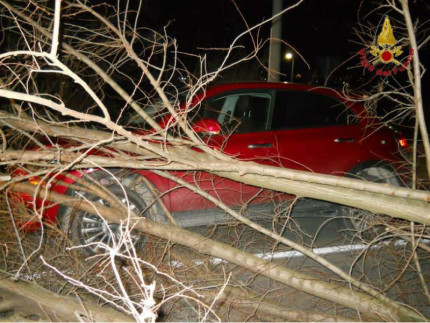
265 145
338 140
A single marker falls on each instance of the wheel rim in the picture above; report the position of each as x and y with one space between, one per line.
94 231
364 223
378 175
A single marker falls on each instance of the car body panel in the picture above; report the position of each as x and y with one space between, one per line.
330 149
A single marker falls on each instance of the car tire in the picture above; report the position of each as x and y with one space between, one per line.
363 224
90 230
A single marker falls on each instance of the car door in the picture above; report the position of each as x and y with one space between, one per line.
315 132
244 119
246 122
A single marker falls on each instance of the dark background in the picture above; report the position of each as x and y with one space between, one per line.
328 34
315 28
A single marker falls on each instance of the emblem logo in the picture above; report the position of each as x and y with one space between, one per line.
385 52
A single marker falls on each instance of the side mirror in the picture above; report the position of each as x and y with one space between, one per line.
207 127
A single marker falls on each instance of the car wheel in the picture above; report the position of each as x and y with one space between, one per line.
93 232
90 230
364 224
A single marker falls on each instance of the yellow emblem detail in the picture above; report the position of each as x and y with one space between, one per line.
386 37
386 52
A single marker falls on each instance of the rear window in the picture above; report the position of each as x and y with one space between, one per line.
308 109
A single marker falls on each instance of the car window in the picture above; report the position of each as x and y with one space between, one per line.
308 109
239 112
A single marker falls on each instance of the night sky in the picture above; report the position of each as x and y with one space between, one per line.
316 28
312 25
324 32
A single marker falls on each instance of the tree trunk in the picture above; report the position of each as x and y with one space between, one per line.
410 204
30 300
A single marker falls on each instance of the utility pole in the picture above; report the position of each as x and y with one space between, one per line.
275 43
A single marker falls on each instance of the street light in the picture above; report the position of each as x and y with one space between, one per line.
290 57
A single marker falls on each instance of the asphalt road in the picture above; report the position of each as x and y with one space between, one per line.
387 265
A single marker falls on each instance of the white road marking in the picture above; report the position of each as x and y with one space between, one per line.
295 254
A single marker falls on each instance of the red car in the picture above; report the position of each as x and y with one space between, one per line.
288 125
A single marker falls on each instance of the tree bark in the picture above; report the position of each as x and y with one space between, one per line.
410 205
418 99
30 299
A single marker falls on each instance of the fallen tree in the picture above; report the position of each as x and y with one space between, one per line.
29 301
398 202
30 111
375 306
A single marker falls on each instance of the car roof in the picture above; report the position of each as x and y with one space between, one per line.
218 88
231 86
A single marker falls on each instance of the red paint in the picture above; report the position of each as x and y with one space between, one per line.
386 56
313 149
